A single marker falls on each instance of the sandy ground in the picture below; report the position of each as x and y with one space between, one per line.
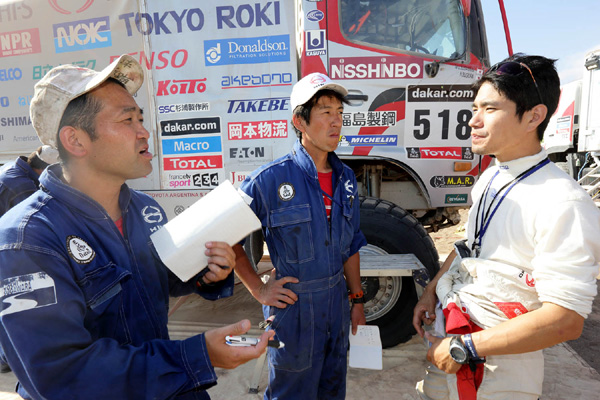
571 370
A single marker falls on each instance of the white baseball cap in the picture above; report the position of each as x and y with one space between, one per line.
306 88
62 84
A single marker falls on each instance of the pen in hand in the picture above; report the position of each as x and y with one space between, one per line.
251 341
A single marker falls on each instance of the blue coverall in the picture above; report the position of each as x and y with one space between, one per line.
287 198
84 308
17 182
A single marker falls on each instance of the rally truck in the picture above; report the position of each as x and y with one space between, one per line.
572 138
218 76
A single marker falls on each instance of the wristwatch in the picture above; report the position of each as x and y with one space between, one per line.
458 351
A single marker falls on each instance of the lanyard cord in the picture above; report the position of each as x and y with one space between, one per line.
481 227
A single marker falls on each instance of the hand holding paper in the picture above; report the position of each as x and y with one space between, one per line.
220 216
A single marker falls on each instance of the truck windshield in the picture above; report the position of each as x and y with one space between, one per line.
433 27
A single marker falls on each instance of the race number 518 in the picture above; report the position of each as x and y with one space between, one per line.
446 122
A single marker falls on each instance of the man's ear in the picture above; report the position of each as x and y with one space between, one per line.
74 141
538 115
299 123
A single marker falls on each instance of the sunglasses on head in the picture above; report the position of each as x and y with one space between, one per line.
515 68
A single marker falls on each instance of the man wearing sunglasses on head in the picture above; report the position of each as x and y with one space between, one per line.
525 278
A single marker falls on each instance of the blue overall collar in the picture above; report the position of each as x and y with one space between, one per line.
52 183
306 163
21 163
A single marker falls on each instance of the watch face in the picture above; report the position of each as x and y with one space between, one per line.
459 355
458 352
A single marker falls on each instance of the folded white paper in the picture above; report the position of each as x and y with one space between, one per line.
365 348
220 216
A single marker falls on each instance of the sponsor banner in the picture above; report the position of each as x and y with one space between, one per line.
441 93
15 121
10 74
256 81
40 70
18 43
192 163
247 15
369 140
255 50
563 126
237 177
438 116
370 118
249 153
315 43
376 68
82 35
191 126
164 59
456 198
181 86
315 15
183 107
442 182
210 144
258 105
163 23
258 130
16 10
447 153
206 180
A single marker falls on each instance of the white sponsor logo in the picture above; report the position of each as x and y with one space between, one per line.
26 292
80 250
152 214
286 191
349 186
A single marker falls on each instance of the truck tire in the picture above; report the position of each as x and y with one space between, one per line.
389 301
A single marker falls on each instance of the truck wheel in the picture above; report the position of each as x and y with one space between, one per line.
390 300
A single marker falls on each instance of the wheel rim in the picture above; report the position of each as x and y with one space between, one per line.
381 292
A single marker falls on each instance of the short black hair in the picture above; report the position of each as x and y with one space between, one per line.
521 89
303 111
81 113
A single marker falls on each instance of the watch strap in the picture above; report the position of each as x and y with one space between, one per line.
358 295
468 341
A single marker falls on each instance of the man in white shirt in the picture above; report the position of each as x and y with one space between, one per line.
526 277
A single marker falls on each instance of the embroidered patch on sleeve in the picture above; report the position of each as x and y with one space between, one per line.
80 250
26 292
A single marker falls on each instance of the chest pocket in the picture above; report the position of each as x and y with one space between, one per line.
106 313
293 227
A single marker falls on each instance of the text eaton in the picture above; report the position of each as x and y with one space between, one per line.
242 16
258 105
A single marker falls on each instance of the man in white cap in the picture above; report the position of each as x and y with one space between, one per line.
308 204
85 297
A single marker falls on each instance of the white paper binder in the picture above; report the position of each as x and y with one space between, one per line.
220 216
